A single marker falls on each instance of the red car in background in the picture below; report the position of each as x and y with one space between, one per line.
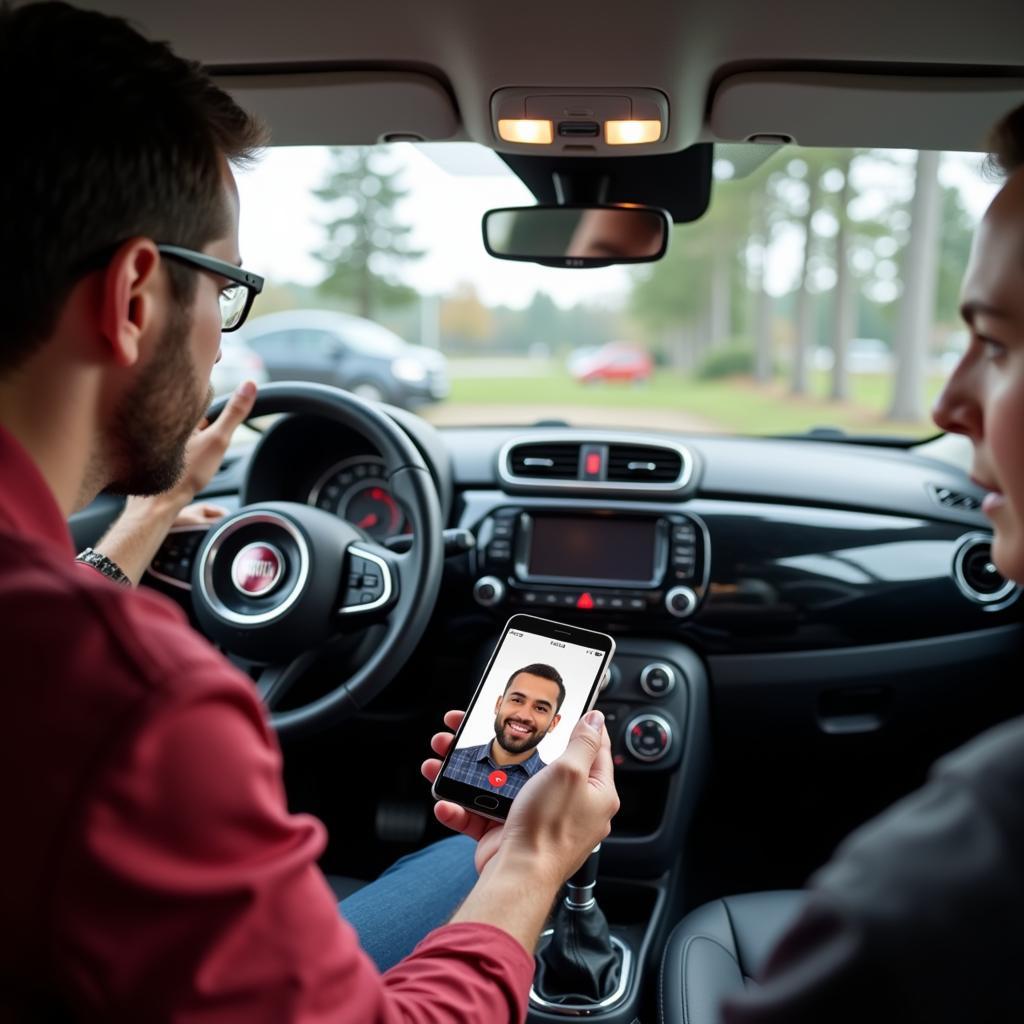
614 361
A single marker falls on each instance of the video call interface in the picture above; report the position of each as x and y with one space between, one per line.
531 699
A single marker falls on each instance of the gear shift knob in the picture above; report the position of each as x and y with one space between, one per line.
579 890
579 965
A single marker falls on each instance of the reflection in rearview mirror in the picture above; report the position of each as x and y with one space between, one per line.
577 236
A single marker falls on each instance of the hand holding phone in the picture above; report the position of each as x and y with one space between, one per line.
555 821
542 677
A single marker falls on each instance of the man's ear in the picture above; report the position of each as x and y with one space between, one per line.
554 722
129 300
497 703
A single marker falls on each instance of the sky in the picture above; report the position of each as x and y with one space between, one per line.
280 222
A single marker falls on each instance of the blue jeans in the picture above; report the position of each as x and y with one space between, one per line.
413 897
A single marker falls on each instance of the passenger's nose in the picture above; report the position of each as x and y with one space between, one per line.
957 409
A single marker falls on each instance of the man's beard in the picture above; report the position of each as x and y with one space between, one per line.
155 419
517 744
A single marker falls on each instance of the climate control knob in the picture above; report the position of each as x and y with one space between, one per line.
648 737
658 679
680 602
488 591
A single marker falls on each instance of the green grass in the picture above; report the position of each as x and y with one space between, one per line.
735 405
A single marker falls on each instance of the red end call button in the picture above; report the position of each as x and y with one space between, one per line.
497 778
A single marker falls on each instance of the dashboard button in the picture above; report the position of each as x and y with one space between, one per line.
488 591
648 738
680 602
637 604
657 679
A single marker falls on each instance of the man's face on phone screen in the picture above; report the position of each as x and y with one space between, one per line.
526 712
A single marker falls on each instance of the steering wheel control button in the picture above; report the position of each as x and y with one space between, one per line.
257 569
648 738
489 591
369 582
657 679
173 561
680 602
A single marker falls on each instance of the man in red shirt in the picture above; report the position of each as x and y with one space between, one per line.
152 870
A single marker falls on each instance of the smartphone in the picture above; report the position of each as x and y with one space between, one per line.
541 679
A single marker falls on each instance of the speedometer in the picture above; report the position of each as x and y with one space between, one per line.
357 490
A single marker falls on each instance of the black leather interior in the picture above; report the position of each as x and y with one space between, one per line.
578 962
342 886
716 948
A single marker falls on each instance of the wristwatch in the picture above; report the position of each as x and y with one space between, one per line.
102 564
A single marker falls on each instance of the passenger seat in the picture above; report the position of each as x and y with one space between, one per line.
716 948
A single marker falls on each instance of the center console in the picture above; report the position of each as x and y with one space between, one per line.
656 709
638 570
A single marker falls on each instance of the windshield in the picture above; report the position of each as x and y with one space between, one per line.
820 290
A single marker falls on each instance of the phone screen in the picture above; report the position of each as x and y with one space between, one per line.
534 692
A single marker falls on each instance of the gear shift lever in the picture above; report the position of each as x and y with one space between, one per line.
578 964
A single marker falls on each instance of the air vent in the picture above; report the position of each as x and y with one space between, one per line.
948 498
976 575
643 464
579 462
545 461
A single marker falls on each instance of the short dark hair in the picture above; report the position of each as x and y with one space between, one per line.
545 672
1006 143
109 136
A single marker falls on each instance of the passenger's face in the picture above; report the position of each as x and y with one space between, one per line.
984 398
157 415
526 713
614 234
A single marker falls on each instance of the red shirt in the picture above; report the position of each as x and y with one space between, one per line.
151 871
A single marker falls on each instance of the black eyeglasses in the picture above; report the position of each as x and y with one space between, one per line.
237 298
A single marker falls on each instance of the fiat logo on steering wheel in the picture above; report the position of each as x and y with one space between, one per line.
257 569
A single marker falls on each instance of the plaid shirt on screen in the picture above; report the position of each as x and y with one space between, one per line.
473 766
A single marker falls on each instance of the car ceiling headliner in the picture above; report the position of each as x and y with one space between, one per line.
682 48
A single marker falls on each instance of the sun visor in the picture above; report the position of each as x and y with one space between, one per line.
348 107
878 111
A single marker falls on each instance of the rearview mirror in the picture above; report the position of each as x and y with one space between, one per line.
577 236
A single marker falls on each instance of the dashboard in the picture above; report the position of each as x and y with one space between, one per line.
741 546
786 603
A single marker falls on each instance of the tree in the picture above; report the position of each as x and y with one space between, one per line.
465 321
954 251
917 306
366 242
845 315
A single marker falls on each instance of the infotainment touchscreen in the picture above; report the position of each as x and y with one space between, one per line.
595 548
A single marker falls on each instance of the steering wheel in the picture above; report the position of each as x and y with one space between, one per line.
277 581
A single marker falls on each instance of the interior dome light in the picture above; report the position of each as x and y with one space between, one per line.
631 133
531 132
